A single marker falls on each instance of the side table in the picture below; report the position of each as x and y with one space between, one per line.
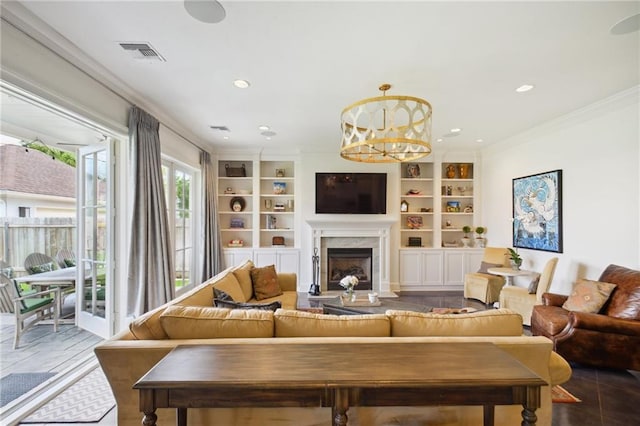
508 273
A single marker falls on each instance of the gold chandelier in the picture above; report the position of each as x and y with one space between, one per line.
386 129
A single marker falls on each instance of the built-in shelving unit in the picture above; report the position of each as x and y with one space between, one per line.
416 205
236 224
257 212
277 203
456 194
436 201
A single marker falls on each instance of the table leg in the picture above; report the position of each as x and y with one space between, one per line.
181 418
149 418
529 417
488 411
509 279
340 407
532 402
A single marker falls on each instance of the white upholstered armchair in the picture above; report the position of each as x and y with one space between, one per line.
522 300
482 285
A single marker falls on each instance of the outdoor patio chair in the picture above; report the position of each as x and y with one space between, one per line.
36 263
66 258
6 294
32 306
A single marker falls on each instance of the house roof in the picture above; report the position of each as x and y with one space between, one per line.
35 172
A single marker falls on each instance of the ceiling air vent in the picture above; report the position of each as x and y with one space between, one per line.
142 51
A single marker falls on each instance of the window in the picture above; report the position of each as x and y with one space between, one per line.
24 212
178 185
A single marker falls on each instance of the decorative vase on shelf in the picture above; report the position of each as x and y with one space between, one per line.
466 241
451 171
463 170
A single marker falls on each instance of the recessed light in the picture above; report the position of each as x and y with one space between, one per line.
479 140
455 130
264 127
241 84
225 137
524 88
439 140
268 138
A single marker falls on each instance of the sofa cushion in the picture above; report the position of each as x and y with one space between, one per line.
199 322
265 282
291 323
625 300
588 296
243 275
495 322
230 285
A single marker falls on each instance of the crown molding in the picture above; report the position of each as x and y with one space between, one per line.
35 28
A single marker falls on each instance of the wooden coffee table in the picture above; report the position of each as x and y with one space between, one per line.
405 374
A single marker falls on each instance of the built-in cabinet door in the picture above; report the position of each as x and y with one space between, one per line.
410 269
236 257
454 267
432 266
284 260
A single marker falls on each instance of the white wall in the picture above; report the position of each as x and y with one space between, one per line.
597 149
332 162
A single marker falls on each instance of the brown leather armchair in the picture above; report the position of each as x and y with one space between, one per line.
610 338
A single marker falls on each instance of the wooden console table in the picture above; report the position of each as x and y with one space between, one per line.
339 376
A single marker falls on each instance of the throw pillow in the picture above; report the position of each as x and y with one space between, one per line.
265 282
533 285
588 296
230 285
38 269
484 267
239 305
221 295
69 262
243 275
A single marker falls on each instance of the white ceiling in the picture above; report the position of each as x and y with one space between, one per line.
306 61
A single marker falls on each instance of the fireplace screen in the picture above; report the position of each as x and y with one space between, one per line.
349 261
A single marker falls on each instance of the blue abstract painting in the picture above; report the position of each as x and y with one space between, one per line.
537 211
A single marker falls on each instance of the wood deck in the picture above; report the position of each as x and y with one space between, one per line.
42 350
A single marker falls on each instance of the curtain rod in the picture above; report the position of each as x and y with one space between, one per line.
96 80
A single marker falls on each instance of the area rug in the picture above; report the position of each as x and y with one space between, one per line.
86 401
561 395
16 384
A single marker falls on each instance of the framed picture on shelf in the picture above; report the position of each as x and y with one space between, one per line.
279 188
537 211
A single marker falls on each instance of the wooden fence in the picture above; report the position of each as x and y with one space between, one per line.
20 236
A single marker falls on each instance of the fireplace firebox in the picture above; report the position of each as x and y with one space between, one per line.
349 261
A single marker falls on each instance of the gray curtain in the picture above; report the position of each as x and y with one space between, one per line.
213 262
151 273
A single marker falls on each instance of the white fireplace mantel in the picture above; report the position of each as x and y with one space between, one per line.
359 228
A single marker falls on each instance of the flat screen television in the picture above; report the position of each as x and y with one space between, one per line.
351 193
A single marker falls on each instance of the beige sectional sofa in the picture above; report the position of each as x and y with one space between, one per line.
191 319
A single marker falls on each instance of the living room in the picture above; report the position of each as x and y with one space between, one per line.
594 143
